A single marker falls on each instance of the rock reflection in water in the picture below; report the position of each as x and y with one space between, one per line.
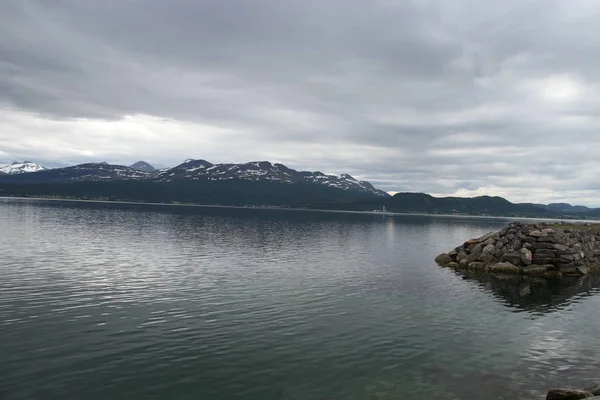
532 294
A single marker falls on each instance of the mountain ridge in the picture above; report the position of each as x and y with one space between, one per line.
262 183
194 170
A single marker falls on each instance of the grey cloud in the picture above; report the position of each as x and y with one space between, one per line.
431 96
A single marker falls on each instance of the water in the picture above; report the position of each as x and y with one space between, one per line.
115 301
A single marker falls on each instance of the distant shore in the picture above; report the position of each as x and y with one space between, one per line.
383 214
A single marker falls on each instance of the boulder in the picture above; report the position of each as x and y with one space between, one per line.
535 269
561 247
595 390
505 267
453 264
583 270
536 234
542 260
568 269
551 239
476 266
542 245
526 256
568 394
453 254
443 260
513 257
545 253
487 258
487 236
490 248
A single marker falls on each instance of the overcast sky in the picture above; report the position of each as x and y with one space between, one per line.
447 97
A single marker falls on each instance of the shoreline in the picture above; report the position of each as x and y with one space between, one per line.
383 214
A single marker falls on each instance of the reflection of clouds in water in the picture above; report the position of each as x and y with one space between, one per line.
306 305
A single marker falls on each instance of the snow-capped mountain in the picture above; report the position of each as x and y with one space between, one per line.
77 173
143 166
260 171
20 167
193 171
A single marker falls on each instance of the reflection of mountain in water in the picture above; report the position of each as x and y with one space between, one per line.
533 294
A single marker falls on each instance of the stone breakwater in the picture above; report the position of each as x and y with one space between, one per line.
548 250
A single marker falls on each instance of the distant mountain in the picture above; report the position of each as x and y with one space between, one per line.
77 173
567 208
194 181
261 171
483 205
20 167
256 183
143 166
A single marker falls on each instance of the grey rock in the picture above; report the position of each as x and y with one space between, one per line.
487 258
526 256
549 231
568 269
568 394
542 245
476 266
561 247
551 239
512 257
505 267
545 253
595 390
536 234
488 236
490 248
489 241
583 270
542 261
535 269
443 260
471 257
475 248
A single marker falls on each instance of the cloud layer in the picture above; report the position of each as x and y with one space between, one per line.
447 97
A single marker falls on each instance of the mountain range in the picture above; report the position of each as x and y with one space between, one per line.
259 183
188 171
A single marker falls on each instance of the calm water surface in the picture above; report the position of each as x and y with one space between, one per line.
104 301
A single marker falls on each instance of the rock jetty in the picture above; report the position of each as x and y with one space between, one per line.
542 249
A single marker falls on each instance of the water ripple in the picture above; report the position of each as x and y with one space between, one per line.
103 301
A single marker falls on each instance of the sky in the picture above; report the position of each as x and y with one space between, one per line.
448 97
